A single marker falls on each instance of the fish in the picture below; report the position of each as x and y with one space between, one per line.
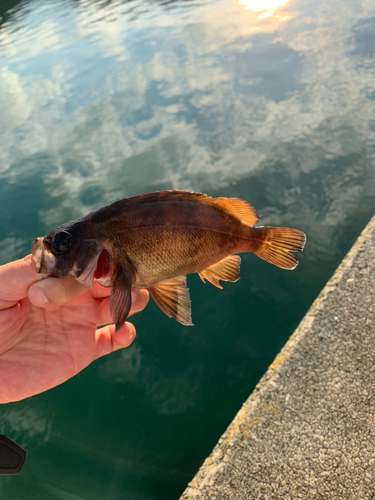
154 240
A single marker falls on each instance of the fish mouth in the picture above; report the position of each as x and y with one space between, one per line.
100 269
44 260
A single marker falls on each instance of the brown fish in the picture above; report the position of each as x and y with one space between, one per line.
154 240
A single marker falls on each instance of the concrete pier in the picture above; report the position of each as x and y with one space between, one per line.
308 429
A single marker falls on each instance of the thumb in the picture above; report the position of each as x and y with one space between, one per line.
55 291
15 279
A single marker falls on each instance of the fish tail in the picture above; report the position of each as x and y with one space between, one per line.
275 244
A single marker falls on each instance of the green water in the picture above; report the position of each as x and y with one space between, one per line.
105 99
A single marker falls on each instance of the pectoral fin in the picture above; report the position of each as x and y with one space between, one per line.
120 300
227 269
173 298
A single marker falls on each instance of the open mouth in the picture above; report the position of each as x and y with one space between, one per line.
104 266
99 270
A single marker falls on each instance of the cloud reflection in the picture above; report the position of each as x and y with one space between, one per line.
10 246
125 368
25 423
148 107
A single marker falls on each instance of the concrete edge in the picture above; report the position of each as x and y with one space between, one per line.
252 409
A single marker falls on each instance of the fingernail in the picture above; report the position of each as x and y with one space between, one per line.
38 297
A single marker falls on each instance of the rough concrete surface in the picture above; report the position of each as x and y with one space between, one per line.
308 429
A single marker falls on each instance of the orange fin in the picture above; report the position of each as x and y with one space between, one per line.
227 269
173 298
120 300
240 209
277 243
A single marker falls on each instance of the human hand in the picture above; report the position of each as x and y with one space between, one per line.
43 344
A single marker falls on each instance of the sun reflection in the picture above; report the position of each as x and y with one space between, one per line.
266 14
267 11
257 5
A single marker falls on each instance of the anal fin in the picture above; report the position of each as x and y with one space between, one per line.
173 298
227 269
120 300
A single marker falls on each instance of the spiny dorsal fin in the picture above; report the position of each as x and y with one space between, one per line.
173 298
227 269
240 209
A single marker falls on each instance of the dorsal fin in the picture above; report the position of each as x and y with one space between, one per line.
240 209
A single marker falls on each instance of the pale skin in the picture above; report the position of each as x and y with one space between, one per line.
48 329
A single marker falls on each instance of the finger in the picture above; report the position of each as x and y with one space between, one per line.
15 280
107 340
99 291
55 291
11 321
139 302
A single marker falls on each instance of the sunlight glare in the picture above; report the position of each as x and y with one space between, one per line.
258 5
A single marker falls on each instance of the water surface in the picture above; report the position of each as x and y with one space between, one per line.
105 99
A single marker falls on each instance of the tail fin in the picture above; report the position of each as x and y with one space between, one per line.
276 243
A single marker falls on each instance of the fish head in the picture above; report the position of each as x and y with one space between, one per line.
69 251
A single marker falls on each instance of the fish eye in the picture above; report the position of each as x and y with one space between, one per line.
61 242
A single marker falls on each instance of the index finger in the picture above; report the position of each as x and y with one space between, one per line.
15 280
